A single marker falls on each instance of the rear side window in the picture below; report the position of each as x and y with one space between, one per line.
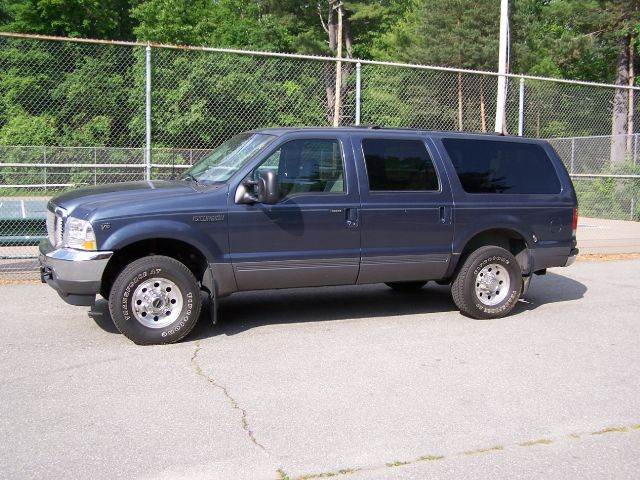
397 165
487 166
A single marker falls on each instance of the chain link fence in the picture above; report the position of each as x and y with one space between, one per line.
82 112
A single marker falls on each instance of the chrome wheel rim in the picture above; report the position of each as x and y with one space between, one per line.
492 284
156 302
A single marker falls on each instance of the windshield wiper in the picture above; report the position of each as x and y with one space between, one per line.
190 176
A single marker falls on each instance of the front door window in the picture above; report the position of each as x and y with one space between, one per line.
307 166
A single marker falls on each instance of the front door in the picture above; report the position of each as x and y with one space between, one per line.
311 236
406 219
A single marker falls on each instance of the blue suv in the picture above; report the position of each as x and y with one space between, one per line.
304 207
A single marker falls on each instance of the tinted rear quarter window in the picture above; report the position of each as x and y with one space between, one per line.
399 165
489 166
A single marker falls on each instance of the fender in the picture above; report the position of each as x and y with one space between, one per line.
162 228
462 239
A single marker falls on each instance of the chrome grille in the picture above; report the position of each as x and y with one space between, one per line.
55 226
51 220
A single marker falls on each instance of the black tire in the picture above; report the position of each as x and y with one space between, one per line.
463 288
140 271
406 286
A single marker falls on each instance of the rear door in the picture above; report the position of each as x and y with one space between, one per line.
406 215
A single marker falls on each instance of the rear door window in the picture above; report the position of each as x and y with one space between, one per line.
489 166
399 165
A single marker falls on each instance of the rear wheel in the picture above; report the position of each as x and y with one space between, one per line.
406 286
155 300
489 283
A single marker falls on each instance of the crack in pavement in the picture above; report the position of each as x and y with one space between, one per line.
232 401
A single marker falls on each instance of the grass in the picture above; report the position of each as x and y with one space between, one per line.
495 448
541 441
610 430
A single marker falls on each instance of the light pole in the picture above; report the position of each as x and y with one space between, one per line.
503 63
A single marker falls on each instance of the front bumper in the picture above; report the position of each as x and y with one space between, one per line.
75 274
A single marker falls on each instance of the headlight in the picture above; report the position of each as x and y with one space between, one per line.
79 234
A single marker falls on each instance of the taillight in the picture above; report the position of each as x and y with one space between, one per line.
574 222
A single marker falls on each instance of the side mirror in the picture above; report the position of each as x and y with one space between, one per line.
267 190
264 189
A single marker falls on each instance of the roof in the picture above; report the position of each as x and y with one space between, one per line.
278 131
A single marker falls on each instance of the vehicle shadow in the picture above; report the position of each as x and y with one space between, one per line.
247 310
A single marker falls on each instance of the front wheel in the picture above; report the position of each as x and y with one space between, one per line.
155 300
489 283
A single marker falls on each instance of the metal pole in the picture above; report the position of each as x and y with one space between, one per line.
147 154
338 91
635 162
573 153
44 158
502 67
521 108
95 168
358 86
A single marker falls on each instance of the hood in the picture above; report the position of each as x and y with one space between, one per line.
152 194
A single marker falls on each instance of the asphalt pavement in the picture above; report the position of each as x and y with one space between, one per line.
353 382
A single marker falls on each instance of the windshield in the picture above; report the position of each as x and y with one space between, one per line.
227 158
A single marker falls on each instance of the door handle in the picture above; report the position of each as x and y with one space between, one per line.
351 217
443 214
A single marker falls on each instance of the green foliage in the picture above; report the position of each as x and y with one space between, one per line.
571 38
54 93
25 129
224 23
609 198
94 95
84 92
460 33
74 18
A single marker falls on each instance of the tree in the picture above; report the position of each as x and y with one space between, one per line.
455 33
105 19
224 23
622 106
584 39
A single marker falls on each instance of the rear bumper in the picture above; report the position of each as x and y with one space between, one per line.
547 257
75 274
572 257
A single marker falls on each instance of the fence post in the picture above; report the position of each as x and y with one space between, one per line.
358 86
573 153
521 108
44 170
147 150
635 162
95 168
